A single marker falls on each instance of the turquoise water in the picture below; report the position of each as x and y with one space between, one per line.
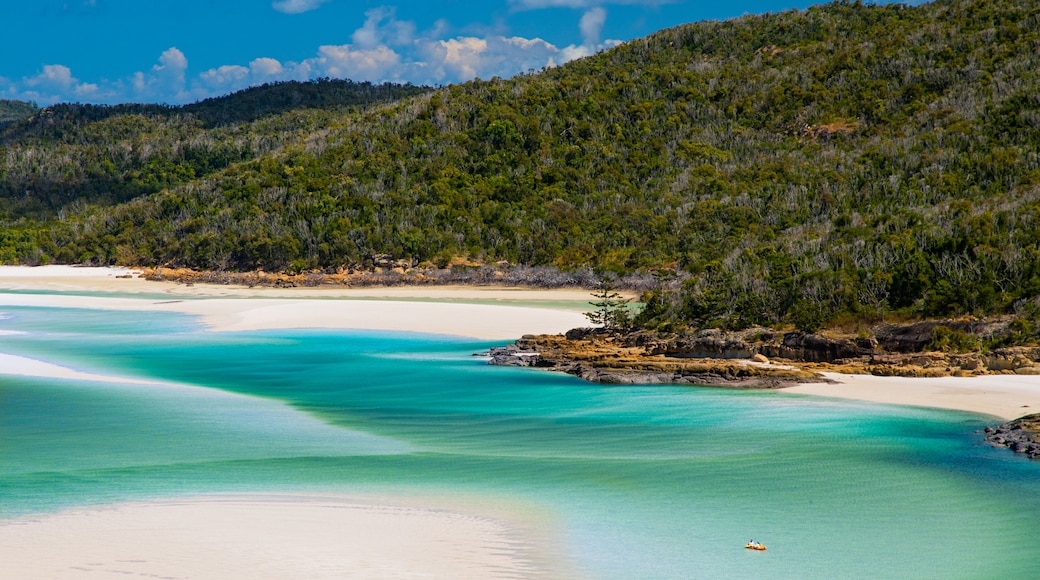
640 482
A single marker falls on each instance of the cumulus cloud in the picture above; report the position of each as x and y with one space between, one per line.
266 68
297 6
539 4
53 75
55 82
591 24
344 61
381 27
172 65
223 76
464 58
165 81
382 49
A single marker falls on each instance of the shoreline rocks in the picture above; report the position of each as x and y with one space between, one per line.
713 353
601 359
1021 435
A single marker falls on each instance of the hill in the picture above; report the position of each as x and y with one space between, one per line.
69 156
804 167
11 111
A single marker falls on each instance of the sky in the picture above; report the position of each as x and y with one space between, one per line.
181 51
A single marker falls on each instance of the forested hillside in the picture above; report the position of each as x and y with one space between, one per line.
68 156
800 167
11 111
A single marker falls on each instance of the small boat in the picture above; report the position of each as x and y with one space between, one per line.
755 546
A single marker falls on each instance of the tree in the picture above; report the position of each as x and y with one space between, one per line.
611 308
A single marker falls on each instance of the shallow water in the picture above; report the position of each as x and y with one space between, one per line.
661 481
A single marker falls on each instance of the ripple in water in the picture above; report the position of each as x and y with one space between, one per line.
662 482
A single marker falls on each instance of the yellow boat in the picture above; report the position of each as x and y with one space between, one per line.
755 546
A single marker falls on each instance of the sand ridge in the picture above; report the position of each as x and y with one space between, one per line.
271 537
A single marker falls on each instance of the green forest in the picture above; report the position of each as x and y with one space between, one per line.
11 111
848 161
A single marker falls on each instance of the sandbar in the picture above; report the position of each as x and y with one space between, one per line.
278 536
27 367
486 313
254 536
272 537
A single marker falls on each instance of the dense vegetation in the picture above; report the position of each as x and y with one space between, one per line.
71 155
11 111
801 167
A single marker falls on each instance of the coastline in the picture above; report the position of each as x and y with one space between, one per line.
268 536
484 313
479 312
1004 396
211 536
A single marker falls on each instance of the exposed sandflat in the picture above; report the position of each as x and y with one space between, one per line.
266 537
275 537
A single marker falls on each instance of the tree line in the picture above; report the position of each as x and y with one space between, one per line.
847 161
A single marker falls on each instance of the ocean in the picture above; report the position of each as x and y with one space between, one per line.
636 481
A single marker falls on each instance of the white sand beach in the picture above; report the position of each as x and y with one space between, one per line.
490 313
1004 396
487 313
336 537
270 537
278 537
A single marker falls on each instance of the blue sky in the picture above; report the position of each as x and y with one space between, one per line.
178 51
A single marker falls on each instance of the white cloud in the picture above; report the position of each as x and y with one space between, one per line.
378 63
172 64
223 76
165 82
381 27
468 57
539 4
230 78
591 24
53 76
462 56
536 4
382 49
54 83
266 68
297 6
86 90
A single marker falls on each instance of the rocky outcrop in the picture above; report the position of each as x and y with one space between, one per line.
612 359
716 356
918 336
1021 435
817 348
